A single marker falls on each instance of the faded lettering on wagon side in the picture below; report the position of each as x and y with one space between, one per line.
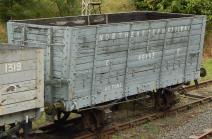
141 33
13 67
146 56
113 86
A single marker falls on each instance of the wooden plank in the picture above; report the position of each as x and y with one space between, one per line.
13 98
18 87
17 55
18 77
17 107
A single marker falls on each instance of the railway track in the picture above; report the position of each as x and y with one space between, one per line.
109 131
205 135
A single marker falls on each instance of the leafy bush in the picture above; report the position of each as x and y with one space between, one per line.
203 7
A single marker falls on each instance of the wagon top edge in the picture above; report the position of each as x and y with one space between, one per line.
136 16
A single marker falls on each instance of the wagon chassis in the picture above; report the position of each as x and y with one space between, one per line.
108 131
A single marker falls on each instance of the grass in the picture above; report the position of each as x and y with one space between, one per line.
208 41
40 121
208 66
112 6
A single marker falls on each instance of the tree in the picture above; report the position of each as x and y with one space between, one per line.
22 9
203 7
67 7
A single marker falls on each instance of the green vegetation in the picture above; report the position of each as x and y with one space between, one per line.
3 36
208 65
22 9
177 6
112 6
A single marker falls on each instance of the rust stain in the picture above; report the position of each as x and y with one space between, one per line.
2 101
18 86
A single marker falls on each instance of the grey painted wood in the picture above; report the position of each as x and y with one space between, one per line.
104 62
21 82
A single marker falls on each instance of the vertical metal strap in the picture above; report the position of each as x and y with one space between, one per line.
148 38
127 59
49 63
72 56
94 66
163 53
201 43
106 18
49 53
10 33
187 50
89 22
67 52
23 36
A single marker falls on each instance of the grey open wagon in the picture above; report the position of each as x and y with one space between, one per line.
91 60
21 86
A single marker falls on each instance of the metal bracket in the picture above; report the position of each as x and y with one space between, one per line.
127 60
57 82
187 50
163 50
94 66
23 36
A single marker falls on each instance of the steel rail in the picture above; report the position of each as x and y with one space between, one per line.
108 132
115 127
205 135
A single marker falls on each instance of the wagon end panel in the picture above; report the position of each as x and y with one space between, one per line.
195 48
47 37
182 64
21 84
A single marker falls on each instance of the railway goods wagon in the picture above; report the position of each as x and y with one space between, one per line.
21 85
90 60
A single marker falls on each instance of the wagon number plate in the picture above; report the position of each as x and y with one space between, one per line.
13 67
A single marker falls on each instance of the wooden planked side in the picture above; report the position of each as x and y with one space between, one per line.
18 77
16 55
17 107
21 85
112 47
18 87
14 98
24 65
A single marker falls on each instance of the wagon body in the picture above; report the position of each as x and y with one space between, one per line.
91 60
21 84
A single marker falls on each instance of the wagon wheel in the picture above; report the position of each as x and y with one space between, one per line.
93 120
61 117
164 99
11 133
160 102
2 131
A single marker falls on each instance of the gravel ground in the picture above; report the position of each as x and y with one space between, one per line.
194 127
177 126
